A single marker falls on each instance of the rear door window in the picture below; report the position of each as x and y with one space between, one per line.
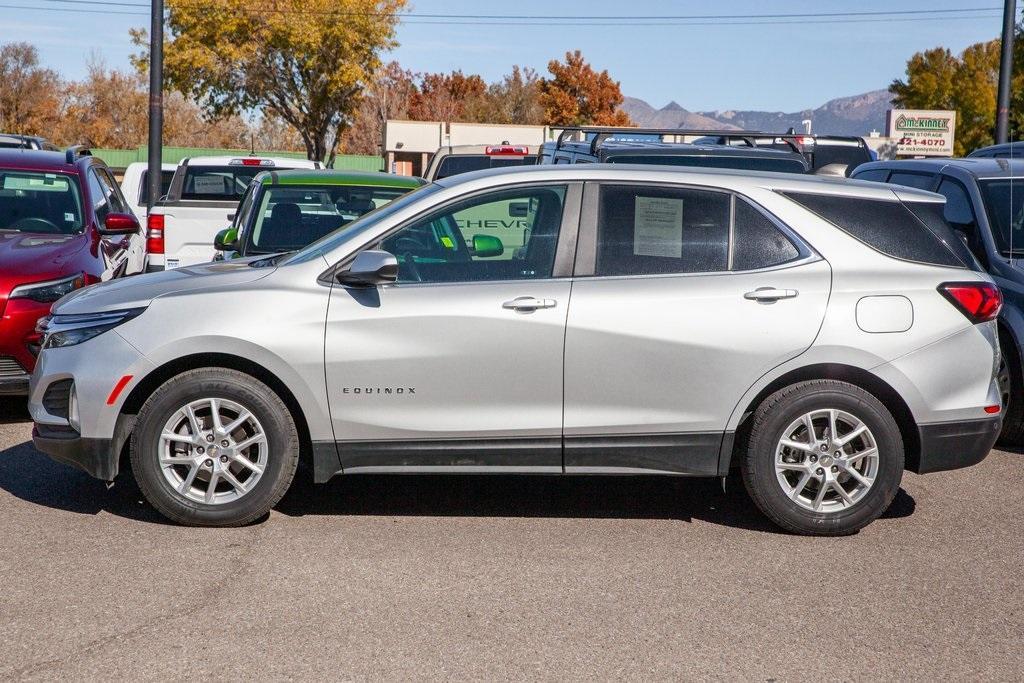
756 241
223 183
886 226
922 181
165 185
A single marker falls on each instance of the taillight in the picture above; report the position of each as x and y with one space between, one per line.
979 301
155 233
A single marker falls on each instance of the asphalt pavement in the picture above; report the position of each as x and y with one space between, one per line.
476 577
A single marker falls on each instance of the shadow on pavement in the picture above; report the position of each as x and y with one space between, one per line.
31 476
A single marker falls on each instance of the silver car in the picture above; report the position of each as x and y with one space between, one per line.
819 334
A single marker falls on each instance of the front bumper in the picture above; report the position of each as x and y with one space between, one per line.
94 456
952 445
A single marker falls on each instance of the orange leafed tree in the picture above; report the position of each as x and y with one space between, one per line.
576 95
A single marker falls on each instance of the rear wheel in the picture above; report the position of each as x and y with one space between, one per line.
214 447
824 458
1011 392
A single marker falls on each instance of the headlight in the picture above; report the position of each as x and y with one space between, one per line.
49 291
68 330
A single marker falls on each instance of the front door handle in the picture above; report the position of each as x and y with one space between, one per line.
769 295
528 303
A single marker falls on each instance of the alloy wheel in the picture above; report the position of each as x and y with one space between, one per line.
213 451
826 460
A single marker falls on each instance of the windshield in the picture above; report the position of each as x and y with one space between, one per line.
739 162
1004 203
333 239
40 202
290 217
464 163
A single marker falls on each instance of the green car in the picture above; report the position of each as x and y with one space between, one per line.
286 210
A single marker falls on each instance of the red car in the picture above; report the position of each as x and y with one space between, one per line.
64 224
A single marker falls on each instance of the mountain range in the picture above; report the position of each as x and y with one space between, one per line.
855 115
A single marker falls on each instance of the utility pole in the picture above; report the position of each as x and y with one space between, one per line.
1005 72
156 100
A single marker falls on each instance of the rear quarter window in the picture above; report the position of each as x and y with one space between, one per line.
886 226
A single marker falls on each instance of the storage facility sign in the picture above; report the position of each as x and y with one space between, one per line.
919 132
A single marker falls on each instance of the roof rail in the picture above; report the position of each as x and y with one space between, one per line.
602 133
75 151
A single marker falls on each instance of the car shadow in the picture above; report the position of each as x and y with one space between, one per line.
13 409
32 477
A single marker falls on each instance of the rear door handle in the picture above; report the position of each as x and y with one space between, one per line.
528 303
769 295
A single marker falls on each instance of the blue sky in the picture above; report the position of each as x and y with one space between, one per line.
773 67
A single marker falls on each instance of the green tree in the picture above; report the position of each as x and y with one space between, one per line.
303 61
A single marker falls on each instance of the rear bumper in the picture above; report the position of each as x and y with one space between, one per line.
952 445
94 456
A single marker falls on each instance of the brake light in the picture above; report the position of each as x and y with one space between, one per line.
516 150
155 233
249 161
979 301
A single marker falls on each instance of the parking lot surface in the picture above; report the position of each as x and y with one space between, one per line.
499 578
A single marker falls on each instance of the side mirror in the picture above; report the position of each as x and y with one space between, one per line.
487 245
226 240
369 268
119 224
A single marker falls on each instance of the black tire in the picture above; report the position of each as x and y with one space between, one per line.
772 418
220 383
1011 389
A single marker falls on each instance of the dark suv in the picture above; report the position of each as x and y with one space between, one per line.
985 206
63 225
747 150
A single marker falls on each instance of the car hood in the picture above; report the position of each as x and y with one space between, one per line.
34 257
138 291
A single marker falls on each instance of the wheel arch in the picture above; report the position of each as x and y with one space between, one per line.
152 381
856 376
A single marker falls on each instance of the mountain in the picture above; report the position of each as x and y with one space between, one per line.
855 115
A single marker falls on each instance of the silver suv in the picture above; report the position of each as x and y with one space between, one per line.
561 320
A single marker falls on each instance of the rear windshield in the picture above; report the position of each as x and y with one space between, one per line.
848 155
289 218
889 227
165 184
739 162
219 183
455 164
46 203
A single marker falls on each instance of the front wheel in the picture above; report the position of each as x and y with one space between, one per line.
824 458
214 447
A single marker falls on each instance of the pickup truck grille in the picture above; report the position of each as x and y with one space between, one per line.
10 368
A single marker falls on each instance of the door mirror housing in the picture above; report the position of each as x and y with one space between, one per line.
487 245
119 224
226 240
370 268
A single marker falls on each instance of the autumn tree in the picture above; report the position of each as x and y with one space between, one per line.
447 97
515 99
28 92
577 95
967 84
305 61
388 96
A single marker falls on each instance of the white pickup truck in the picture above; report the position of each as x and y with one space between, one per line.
202 199
135 189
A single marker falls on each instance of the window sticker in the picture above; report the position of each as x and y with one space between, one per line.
69 218
658 227
209 184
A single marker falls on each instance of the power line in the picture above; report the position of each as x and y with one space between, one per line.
555 17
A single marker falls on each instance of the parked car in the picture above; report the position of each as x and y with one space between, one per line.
203 196
455 159
654 322
587 145
1004 151
286 210
63 225
12 141
985 206
135 185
